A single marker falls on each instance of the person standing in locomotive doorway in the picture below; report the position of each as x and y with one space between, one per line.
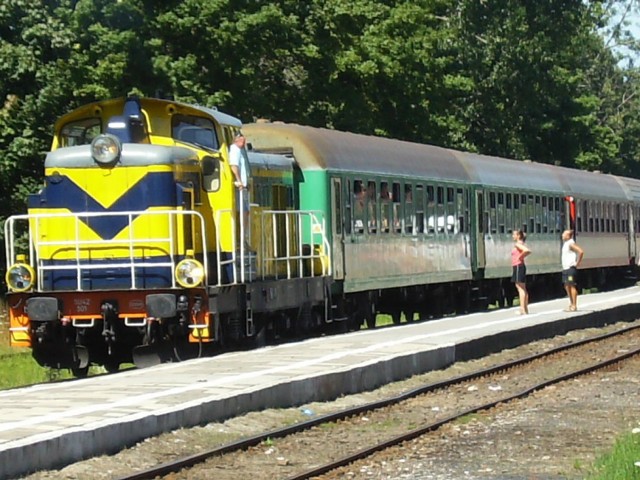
519 275
240 168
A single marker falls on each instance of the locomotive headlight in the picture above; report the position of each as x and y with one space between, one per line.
20 277
105 148
189 273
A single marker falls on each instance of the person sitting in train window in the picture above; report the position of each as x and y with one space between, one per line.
385 198
408 195
395 198
358 205
409 216
384 191
371 206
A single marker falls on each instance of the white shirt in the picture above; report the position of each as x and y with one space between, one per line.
569 257
236 157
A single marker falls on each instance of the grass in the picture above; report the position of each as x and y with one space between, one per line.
623 462
21 369
17 366
384 320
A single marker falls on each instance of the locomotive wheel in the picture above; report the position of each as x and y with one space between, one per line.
81 361
354 322
409 315
112 366
149 355
259 338
370 320
80 372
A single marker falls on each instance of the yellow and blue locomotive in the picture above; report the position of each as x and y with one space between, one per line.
134 251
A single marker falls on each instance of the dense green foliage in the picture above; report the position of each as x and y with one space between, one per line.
522 79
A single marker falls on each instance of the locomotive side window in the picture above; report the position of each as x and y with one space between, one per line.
79 132
196 130
210 173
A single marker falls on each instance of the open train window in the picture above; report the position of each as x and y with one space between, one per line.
372 206
385 207
359 217
395 197
409 216
419 206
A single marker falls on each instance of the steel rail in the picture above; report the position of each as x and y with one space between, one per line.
243 444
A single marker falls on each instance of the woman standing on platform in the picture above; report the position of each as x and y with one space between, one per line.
519 276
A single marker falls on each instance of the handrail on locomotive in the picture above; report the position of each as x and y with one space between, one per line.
319 250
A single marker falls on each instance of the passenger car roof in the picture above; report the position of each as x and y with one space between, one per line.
321 148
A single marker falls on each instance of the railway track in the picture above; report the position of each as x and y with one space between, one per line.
507 381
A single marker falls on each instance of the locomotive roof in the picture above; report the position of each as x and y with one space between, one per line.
116 104
321 148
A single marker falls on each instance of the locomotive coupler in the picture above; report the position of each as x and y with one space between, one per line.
109 312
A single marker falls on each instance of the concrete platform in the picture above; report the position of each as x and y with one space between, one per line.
49 426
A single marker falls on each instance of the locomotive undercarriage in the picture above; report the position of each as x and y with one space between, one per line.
172 326
61 340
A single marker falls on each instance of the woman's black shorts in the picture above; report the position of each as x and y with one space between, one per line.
519 274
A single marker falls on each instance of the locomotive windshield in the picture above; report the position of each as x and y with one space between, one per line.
80 132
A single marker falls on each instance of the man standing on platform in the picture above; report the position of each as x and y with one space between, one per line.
571 257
